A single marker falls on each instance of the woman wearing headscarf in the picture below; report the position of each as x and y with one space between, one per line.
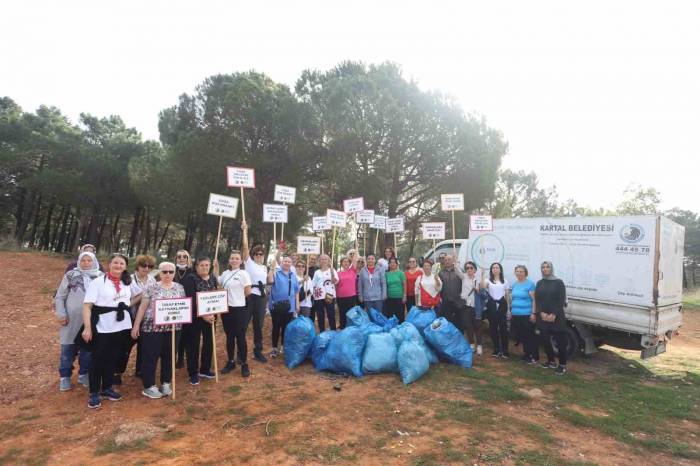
105 317
371 286
550 301
69 312
156 341
183 267
200 280
84 248
140 280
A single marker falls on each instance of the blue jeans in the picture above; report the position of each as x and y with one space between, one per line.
68 353
378 305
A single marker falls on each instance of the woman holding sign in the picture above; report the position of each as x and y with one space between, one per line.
156 341
238 285
324 282
200 328
105 317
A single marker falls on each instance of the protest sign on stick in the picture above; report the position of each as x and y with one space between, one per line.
239 177
212 303
223 206
451 203
336 218
173 311
285 194
433 230
395 225
379 223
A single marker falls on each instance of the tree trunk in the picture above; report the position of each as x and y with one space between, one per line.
65 229
46 233
73 235
60 219
134 232
155 234
35 224
147 236
19 212
101 231
162 238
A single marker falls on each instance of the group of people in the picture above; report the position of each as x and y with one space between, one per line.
103 314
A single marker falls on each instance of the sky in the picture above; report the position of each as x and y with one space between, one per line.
592 96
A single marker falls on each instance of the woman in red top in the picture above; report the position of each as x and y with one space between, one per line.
412 272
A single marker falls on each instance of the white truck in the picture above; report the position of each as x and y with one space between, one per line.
623 275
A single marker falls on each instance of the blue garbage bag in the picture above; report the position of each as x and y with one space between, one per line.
320 348
299 337
449 342
357 316
412 360
380 354
380 319
420 318
344 351
408 332
390 323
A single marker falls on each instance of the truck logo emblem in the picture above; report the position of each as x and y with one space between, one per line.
632 233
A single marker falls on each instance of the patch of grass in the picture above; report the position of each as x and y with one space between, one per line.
538 458
27 417
173 435
11 456
463 412
171 453
234 389
38 457
184 420
493 388
532 430
427 459
109 446
11 429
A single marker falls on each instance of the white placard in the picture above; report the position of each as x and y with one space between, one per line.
173 311
274 213
364 216
480 223
379 222
320 223
238 177
212 302
350 206
308 245
285 194
433 230
224 206
336 218
452 202
394 225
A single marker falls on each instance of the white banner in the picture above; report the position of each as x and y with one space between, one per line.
320 223
350 206
336 218
433 230
394 225
379 222
452 202
224 206
364 216
274 213
212 302
173 311
238 177
602 258
480 223
308 245
285 194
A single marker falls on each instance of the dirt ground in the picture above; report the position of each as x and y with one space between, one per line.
280 416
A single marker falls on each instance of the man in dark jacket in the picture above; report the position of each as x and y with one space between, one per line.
453 306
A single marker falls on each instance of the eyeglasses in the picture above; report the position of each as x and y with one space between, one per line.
167 272
182 256
411 261
146 266
258 254
470 267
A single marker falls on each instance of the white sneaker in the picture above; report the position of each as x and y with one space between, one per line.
152 393
84 380
479 350
64 384
166 390
472 347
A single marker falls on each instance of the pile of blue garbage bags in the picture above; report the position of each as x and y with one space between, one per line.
372 343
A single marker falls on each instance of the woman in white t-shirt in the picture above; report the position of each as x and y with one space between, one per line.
236 282
254 264
305 290
497 309
105 318
323 284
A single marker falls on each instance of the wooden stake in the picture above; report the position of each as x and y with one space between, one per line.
213 344
364 241
274 236
454 241
396 249
242 204
282 234
218 236
376 242
323 236
433 246
333 250
172 358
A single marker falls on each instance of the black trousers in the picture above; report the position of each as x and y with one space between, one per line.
279 324
453 312
344 305
525 333
410 302
125 354
498 324
256 313
107 348
472 326
394 307
562 340
194 334
320 309
156 346
235 323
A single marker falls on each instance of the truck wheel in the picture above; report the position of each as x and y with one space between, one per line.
572 346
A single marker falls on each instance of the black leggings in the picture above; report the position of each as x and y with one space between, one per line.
562 340
105 353
191 334
317 310
256 310
155 346
525 333
394 307
235 323
498 324
279 324
344 305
